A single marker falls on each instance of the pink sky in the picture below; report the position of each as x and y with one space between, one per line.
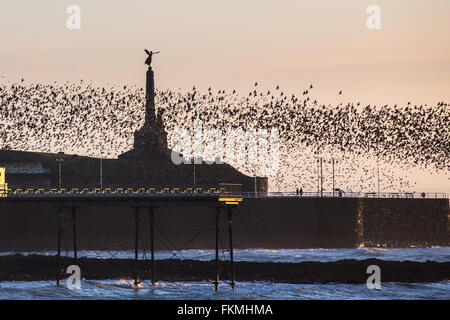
232 44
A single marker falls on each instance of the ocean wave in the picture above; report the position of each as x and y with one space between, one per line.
124 289
438 254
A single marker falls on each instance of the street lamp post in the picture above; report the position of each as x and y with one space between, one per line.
378 176
321 177
193 162
318 177
256 187
332 161
60 160
101 173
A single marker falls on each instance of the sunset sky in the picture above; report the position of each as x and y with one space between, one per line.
231 44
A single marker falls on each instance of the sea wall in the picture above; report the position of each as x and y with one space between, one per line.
257 223
405 222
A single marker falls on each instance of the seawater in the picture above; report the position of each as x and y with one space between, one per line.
124 289
438 254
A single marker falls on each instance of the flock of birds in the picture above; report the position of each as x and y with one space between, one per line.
100 121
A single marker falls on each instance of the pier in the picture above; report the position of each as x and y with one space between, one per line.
145 200
80 218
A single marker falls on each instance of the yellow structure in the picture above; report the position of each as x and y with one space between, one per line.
3 184
230 193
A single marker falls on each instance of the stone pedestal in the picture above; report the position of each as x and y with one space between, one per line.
150 141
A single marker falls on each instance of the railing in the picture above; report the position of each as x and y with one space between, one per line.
204 192
328 194
108 192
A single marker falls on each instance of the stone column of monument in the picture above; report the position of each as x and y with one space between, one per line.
150 112
150 141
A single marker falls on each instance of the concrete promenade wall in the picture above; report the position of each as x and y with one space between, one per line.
405 222
257 223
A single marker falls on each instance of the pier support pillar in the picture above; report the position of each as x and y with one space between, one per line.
59 217
136 248
216 283
59 222
230 232
151 215
74 229
151 209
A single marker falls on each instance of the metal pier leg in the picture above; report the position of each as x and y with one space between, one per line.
59 218
74 229
136 248
230 231
152 241
216 283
